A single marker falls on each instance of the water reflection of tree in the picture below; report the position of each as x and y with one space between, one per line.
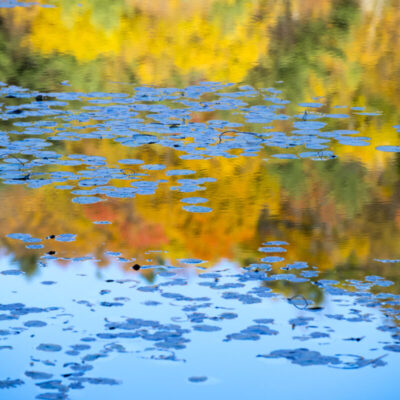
333 213
332 48
311 293
337 214
27 262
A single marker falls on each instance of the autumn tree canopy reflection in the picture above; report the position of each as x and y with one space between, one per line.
338 213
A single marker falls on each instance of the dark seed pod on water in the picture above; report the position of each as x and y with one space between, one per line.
24 178
17 111
51 237
136 267
51 252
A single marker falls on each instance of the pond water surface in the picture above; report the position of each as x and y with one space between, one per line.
199 199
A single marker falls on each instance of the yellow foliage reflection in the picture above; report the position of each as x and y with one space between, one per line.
344 51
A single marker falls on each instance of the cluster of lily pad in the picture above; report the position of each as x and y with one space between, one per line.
160 117
220 309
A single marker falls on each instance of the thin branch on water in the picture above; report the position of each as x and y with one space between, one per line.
23 178
290 300
233 131
11 155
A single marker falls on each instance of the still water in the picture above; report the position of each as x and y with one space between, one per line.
199 199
